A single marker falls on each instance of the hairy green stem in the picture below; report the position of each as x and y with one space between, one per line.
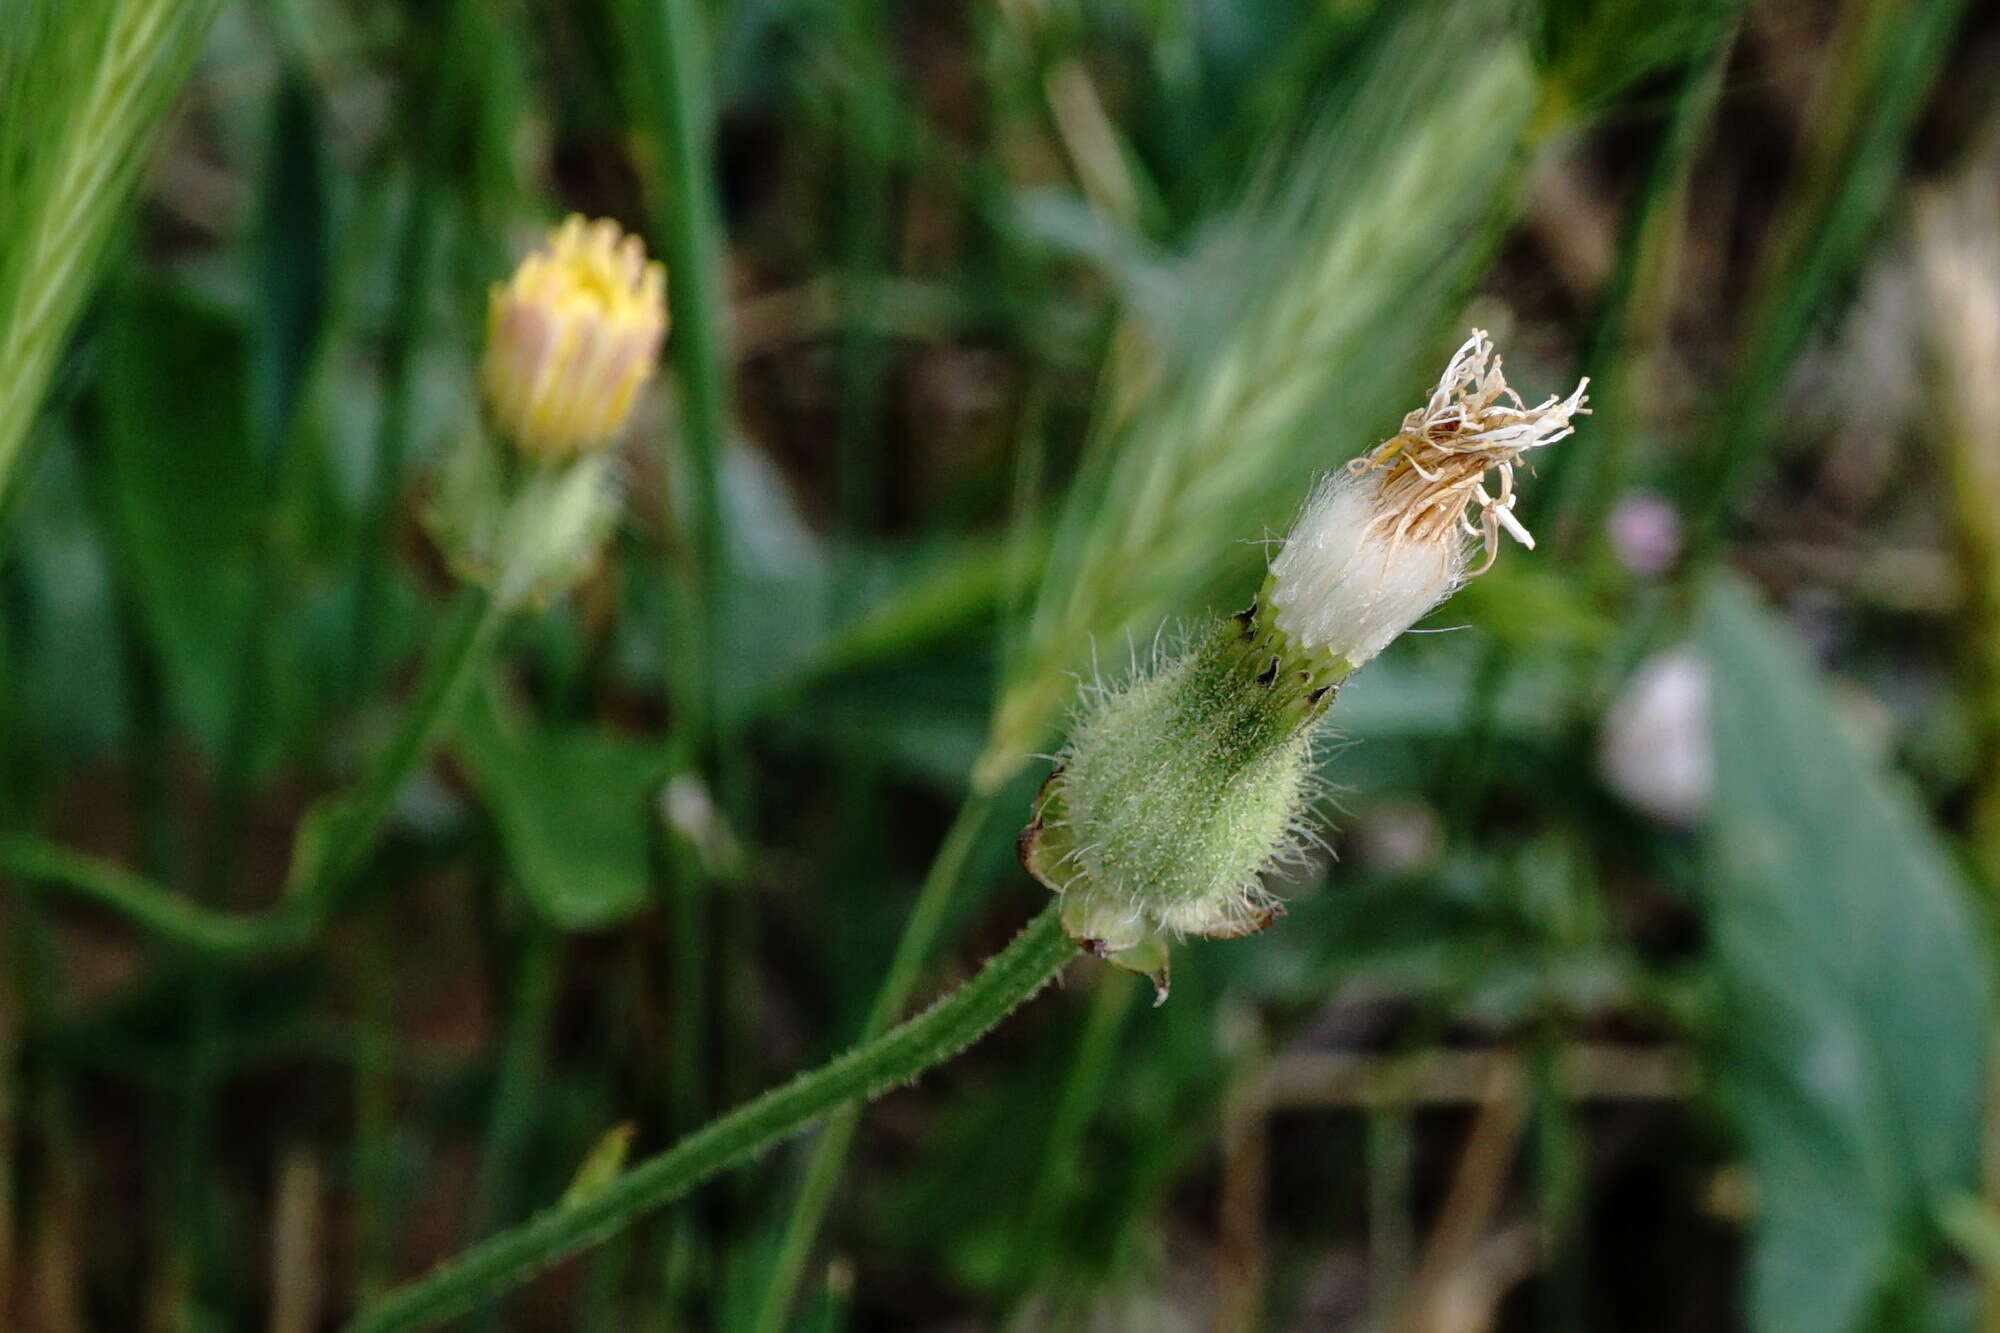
829 1156
463 643
1008 980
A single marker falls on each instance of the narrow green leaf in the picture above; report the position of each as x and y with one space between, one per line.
601 1165
292 261
1592 50
185 494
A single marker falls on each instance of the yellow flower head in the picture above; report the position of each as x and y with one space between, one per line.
572 337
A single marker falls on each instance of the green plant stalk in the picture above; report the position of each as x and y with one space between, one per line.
522 1055
188 1238
73 141
462 645
178 1220
10 780
427 117
374 1107
144 694
1008 980
672 37
687 1064
392 429
28 955
1083 1091
835 1313
290 271
189 1233
175 1219
1561 1186
829 1155
424 113
1876 87
1978 541
10 1054
868 99
516 1094
671 57
1581 483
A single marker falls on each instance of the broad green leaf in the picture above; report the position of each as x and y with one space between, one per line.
1852 1046
573 809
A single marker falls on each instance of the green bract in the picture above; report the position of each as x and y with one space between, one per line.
524 530
1179 790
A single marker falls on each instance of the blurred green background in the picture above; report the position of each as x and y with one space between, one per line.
1650 986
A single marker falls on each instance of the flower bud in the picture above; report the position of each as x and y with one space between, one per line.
571 338
1181 790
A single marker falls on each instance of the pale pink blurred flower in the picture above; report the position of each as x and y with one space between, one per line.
1655 751
1645 533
